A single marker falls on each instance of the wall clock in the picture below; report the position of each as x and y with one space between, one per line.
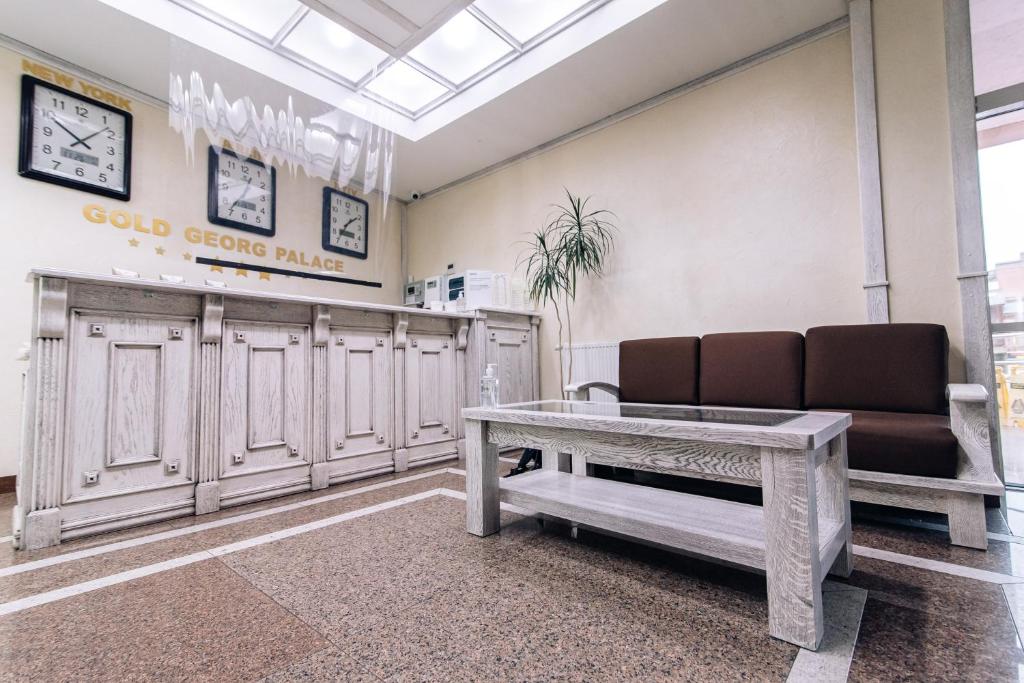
345 223
242 193
74 141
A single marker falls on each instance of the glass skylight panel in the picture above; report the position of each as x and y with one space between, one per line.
526 19
463 47
406 87
333 47
265 17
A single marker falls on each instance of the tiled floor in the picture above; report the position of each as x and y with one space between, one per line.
390 587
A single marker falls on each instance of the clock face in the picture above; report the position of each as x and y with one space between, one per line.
345 223
242 192
74 141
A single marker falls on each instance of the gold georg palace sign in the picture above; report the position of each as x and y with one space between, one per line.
139 224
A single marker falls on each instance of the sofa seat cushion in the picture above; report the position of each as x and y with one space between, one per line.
902 443
752 370
663 370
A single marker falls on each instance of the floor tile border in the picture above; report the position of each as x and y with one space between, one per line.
215 524
937 566
21 604
844 609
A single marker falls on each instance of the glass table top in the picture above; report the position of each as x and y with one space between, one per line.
756 418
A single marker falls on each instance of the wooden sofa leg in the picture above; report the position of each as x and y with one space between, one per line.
966 513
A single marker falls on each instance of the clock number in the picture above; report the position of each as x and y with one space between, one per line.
58 103
47 131
110 151
79 171
82 111
56 165
47 149
103 177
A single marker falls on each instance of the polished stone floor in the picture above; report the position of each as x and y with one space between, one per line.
378 581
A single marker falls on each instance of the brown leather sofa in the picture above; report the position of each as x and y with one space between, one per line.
916 441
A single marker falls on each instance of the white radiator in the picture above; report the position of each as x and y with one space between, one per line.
593 362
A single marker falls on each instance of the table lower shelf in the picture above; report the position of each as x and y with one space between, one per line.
729 531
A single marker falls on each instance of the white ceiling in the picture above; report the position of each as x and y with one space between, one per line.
671 44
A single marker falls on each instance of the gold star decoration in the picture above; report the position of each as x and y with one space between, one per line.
187 256
216 269
265 276
242 272
160 251
133 242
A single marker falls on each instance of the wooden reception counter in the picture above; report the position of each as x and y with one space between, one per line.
147 400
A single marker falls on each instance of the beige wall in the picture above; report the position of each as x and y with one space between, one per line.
44 225
737 205
738 201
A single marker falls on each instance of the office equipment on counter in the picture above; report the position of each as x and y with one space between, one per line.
414 294
432 290
454 284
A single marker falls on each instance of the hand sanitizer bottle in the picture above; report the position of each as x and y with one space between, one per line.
489 388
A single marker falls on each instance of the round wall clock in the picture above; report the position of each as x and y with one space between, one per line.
345 223
74 141
242 193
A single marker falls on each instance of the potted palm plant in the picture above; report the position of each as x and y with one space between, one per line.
571 246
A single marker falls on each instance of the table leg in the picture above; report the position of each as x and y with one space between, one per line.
483 503
834 501
553 460
792 562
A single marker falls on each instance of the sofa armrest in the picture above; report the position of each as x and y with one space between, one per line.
580 391
967 393
968 418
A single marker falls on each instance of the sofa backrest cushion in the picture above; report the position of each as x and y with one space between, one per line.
661 370
752 369
898 368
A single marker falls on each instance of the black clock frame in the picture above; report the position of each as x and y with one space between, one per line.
28 85
325 225
211 195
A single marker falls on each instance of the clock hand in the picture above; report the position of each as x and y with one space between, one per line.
66 129
244 192
350 221
91 135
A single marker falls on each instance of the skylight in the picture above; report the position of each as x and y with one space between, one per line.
411 66
406 87
264 18
461 48
526 19
333 47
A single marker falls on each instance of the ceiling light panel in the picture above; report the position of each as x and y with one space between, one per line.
333 47
264 18
462 48
526 19
406 87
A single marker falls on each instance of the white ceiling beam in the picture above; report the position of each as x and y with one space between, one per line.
341 20
439 20
393 14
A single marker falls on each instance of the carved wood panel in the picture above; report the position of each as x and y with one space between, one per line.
264 401
430 389
131 420
360 400
511 350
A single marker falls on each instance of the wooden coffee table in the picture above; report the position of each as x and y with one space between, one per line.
801 534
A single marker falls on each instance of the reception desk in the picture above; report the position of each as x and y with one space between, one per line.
147 400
